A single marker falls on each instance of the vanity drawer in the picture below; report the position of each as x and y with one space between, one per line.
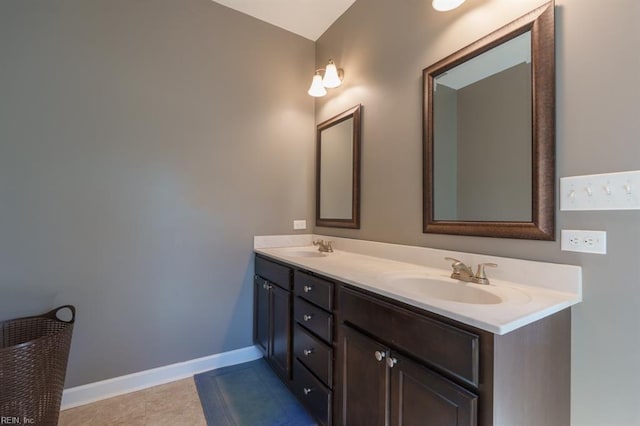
316 355
314 319
440 345
312 393
314 289
274 272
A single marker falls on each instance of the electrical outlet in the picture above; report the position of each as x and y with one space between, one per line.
584 241
299 224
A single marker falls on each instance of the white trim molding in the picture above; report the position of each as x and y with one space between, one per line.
91 392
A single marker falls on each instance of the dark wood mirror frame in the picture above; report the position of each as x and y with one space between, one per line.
542 226
354 221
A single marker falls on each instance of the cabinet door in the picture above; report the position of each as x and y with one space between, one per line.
261 314
422 397
364 380
281 331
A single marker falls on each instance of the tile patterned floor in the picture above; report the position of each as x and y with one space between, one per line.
174 403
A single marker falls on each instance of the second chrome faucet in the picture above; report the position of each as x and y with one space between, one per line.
462 272
324 246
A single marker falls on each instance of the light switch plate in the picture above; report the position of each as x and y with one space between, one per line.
584 241
609 191
299 224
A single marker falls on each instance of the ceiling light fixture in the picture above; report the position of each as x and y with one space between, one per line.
446 5
332 78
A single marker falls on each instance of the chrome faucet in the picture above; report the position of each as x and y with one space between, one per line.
324 246
480 277
462 272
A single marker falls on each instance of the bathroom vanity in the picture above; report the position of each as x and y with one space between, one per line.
367 335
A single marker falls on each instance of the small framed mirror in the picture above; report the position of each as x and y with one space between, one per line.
489 134
338 170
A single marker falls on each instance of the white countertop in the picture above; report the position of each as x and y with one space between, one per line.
520 304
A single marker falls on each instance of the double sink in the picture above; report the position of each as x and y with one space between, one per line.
520 291
431 286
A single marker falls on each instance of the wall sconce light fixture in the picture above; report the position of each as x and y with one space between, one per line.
446 5
332 78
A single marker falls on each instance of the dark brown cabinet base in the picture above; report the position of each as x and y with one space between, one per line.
314 395
313 345
363 380
421 397
272 315
440 372
357 358
396 391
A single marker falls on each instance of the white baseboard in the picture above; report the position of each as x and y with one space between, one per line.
85 394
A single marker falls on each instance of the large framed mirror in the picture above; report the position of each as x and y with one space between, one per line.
489 134
338 170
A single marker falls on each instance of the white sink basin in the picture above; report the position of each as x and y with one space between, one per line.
303 252
449 290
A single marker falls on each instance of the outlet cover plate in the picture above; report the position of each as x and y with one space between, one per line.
299 224
584 241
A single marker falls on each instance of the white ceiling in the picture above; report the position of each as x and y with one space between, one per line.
502 57
308 18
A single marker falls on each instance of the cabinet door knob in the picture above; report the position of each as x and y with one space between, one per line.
307 317
307 352
391 361
379 355
307 391
307 288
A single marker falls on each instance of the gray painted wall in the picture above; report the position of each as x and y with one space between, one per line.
383 46
445 151
142 145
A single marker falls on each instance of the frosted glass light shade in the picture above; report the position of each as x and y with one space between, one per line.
445 5
331 78
317 89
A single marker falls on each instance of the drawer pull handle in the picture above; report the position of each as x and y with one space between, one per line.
307 352
379 355
307 317
307 288
391 362
307 391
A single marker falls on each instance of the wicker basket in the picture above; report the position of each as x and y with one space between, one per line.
33 362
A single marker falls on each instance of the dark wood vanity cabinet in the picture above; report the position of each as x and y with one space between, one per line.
272 314
398 390
363 394
421 396
313 345
353 357
399 365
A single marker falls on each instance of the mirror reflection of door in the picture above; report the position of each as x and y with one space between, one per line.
483 138
336 173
